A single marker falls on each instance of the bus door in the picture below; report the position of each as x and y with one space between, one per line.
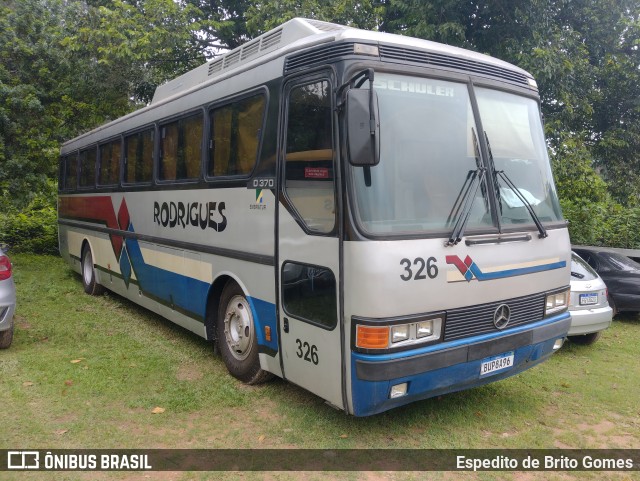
308 245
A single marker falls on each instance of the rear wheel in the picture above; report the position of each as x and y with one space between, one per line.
89 278
236 336
6 337
612 304
585 339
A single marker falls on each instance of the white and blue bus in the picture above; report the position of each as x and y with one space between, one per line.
369 216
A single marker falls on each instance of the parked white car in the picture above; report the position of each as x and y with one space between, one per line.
588 306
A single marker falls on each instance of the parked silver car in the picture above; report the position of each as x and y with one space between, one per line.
588 306
7 301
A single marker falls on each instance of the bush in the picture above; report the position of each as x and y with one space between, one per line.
604 223
34 229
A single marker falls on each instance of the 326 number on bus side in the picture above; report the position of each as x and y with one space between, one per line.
308 352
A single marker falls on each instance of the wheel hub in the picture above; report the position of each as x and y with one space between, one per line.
238 327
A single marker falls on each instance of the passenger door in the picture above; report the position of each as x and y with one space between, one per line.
308 245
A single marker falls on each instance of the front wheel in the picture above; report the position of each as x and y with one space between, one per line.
585 339
89 278
236 336
6 337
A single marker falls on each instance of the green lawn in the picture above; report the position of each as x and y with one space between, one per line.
87 372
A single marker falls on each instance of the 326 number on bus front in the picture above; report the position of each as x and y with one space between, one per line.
419 269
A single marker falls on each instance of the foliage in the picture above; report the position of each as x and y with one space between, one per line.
70 65
265 15
34 228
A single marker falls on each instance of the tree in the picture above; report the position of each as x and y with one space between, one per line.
69 66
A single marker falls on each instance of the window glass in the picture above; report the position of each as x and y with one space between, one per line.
621 262
309 174
61 166
71 180
429 160
235 137
581 270
514 131
181 148
87 168
139 157
309 293
109 163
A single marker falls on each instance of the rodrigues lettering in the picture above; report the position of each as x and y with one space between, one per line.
197 214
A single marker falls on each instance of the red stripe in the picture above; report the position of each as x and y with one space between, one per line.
455 260
97 209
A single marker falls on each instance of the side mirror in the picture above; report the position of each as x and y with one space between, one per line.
363 127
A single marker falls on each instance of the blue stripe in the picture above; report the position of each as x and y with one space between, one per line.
481 276
191 294
371 397
185 292
264 314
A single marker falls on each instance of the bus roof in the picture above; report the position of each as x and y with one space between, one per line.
300 34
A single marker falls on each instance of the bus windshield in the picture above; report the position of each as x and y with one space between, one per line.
429 156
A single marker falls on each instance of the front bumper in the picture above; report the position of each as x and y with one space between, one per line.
586 321
448 367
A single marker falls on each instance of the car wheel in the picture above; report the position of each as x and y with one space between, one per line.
612 304
236 336
89 278
585 339
6 337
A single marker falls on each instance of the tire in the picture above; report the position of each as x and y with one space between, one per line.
612 304
585 339
6 337
236 336
88 273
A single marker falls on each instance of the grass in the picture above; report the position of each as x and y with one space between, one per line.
87 372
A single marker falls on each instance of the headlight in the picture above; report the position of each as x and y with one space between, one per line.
425 328
556 302
392 333
400 333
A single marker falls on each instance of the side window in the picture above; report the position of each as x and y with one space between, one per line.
87 176
309 175
61 166
235 137
138 151
181 148
71 179
109 173
309 293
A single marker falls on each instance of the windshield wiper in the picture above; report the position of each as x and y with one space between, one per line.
503 175
466 197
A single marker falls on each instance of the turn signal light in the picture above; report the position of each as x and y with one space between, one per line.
372 337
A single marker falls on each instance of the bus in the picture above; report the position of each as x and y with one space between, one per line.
369 216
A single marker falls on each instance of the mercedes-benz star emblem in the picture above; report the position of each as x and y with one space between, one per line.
502 316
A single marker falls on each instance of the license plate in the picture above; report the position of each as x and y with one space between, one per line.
492 365
588 299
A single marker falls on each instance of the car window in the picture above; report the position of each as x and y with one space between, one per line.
581 270
621 262
586 256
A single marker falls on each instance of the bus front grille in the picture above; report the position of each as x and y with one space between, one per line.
476 320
